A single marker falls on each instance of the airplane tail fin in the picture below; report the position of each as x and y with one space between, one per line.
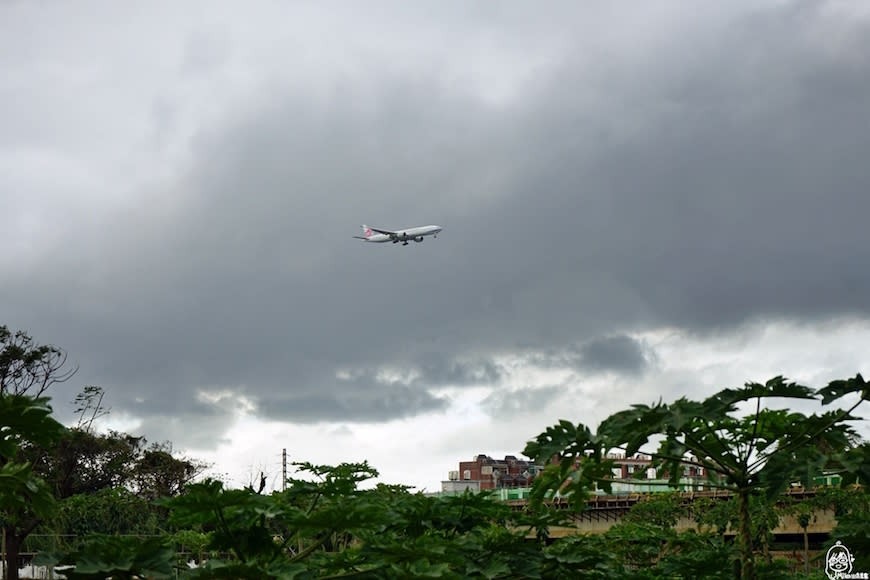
367 231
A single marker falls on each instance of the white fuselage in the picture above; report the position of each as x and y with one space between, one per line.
404 236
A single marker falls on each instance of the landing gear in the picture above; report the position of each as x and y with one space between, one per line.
404 243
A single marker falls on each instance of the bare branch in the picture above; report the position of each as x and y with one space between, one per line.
26 367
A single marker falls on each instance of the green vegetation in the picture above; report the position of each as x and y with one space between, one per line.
63 482
114 506
755 455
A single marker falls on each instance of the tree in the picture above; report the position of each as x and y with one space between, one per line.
27 370
89 406
25 499
115 511
157 473
82 462
69 461
759 453
27 367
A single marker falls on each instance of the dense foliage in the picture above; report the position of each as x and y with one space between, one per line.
326 526
48 472
113 506
755 455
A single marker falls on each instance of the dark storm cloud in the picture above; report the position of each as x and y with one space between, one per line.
613 353
619 353
372 394
616 353
356 400
436 369
366 395
700 182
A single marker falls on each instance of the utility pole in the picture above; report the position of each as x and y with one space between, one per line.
284 469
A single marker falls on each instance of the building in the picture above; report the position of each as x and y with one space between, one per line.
633 474
459 485
639 466
638 475
483 473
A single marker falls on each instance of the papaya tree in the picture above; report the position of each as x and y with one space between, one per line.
744 445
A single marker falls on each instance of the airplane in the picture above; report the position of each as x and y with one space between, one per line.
379 236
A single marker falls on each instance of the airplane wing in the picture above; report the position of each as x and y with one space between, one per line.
361 237
385 232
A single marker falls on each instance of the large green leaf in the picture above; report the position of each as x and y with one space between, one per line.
631 429
26 420
840 388
777 387
20 489
116 557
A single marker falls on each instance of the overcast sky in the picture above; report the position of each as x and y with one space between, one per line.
639 200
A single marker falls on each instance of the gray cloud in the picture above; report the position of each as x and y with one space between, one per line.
616 353
518 402
703 181
349 401
435 369
189 430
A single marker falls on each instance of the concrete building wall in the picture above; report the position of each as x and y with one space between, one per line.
459 486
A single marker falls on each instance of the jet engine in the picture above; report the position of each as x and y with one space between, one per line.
418 239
